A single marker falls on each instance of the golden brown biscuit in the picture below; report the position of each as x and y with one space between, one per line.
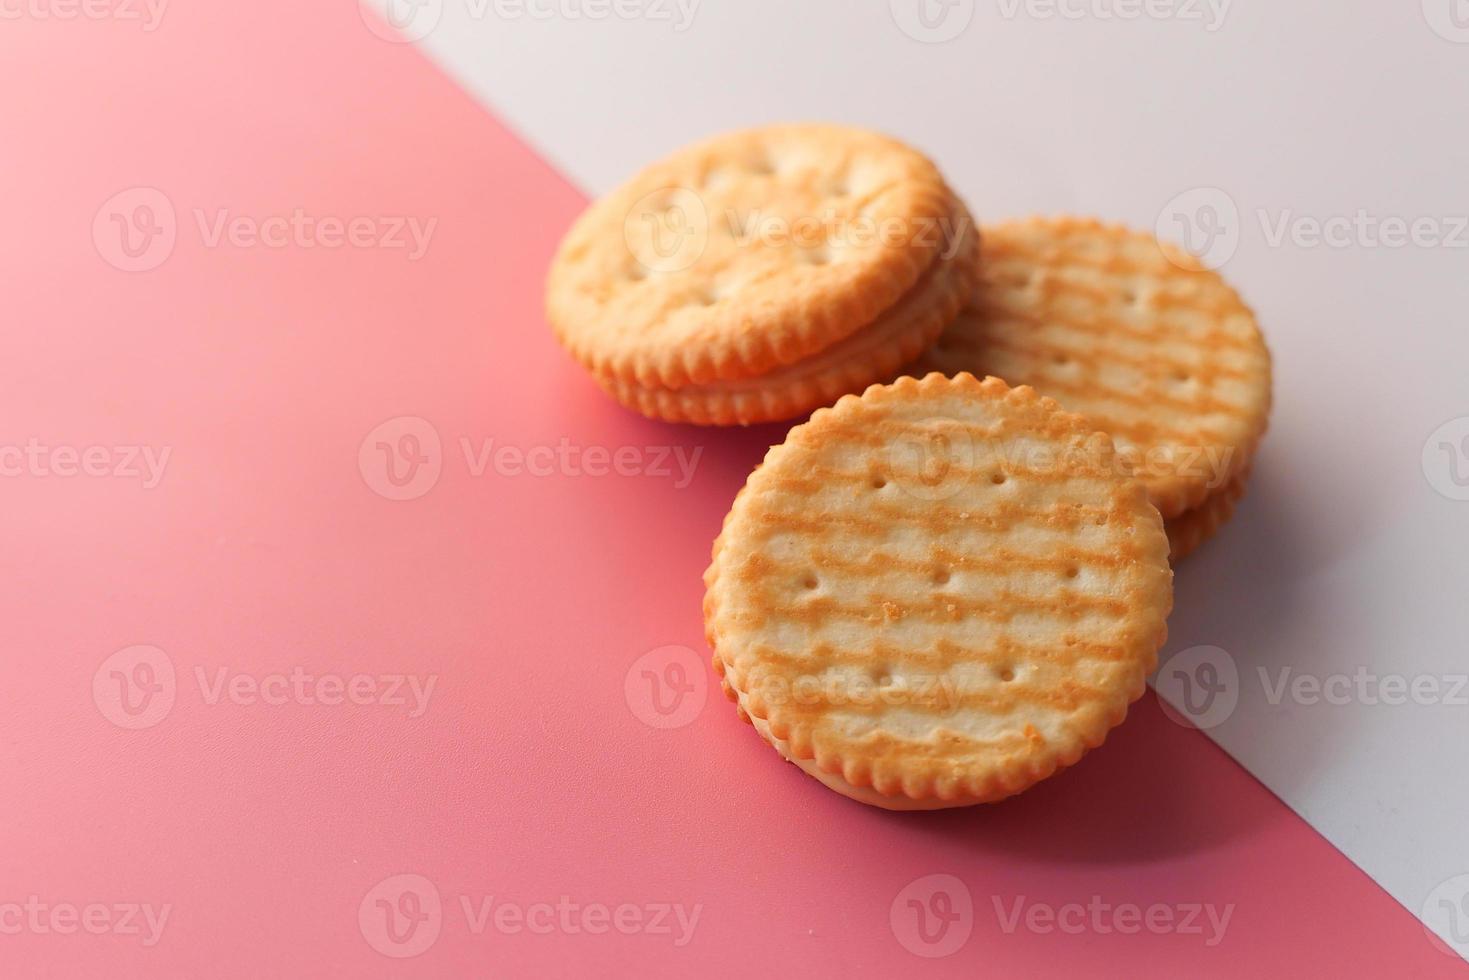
938 593
753 275
875 352
1156 350
1192 528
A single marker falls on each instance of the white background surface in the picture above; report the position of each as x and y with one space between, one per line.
1345 558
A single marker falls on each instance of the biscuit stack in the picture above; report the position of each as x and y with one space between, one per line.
946 589
1138 337
759 275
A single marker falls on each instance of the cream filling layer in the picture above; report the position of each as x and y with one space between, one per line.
941 284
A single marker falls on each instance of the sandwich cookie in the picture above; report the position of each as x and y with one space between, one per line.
938 593
761 274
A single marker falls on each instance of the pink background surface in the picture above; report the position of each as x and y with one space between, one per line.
264 549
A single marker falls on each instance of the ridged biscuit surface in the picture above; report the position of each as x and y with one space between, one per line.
746 252
938 593
1156 350
872 354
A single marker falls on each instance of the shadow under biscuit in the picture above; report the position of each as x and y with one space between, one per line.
1153 791
1245 592
1157 787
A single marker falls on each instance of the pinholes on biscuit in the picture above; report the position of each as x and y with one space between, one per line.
1156 350
759 274
939 593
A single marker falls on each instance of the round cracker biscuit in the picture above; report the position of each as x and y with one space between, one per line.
1189 530
1155 349
870 355
939 593
746 252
